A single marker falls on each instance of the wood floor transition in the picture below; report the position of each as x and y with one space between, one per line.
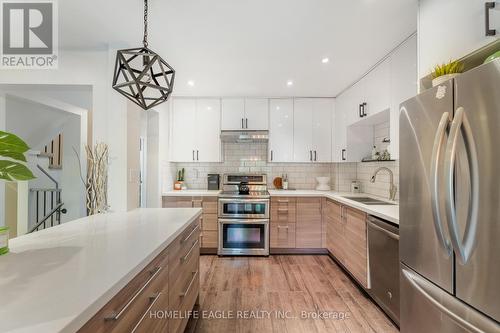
292 293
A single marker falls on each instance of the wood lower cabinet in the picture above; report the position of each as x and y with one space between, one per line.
169 283
209 223
346 239
296 223
309 231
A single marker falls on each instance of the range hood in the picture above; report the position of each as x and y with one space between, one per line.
244 136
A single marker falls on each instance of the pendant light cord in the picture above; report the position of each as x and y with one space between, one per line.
145 40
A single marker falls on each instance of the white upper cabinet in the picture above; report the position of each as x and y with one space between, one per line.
377 95
403 86
312 135
195 129
322 123
441 40
233 113
257 113
241 113
280 130
339 153
183 140
303 130
208 130
353 98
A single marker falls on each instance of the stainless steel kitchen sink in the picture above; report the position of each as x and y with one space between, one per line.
369 201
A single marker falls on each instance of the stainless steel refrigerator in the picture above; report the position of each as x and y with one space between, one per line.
450 205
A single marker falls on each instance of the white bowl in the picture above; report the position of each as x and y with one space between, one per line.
323 184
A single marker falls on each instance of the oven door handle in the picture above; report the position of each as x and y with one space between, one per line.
243 221
264 201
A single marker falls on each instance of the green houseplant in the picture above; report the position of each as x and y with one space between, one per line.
12 168
444 72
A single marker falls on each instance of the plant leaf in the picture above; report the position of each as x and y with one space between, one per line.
11 142
10 170
14 155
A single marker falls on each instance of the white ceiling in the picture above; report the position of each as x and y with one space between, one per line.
249 48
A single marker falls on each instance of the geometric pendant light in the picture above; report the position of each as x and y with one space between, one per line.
141 75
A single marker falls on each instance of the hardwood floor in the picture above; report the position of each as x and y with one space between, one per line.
281 291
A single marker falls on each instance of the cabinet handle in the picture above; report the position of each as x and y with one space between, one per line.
153 300
184 294
242 123
283 201
360 112
185 258
271 155
315 156
487 7
282 210
197 155
190 234
343 154
193 155
116 316
282 227
364 109
246 123
310 155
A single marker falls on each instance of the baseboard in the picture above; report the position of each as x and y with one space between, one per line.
297 251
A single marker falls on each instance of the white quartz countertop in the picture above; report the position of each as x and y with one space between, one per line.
386 212
56 279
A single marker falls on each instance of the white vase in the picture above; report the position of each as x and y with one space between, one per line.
323 184
443 78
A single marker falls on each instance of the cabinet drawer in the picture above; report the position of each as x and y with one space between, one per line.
209 222
283 209
179 263
184 290
209 205
177 202
125 311
210 239
183 242
282 235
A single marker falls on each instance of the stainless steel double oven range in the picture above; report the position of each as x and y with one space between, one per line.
244 215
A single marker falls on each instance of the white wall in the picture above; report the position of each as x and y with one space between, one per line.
2 185
109 111
38 124
451 29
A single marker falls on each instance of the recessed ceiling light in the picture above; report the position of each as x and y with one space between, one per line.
191 83
325 60
289 83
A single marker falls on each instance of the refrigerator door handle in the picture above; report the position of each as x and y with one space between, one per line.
439 141
449 305
463 247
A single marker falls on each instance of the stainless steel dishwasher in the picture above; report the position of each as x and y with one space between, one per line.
383 244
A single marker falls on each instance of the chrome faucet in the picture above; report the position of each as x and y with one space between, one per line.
392 189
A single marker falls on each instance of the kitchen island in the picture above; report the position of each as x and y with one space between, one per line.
58 279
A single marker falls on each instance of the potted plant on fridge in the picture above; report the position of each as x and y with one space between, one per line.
12 168
445 72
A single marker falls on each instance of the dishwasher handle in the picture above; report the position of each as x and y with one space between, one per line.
379 225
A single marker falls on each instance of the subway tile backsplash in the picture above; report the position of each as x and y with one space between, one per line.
252 157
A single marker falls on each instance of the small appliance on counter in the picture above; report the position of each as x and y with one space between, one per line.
213 182
323 184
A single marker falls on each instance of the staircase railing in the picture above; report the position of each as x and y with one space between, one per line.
48 201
